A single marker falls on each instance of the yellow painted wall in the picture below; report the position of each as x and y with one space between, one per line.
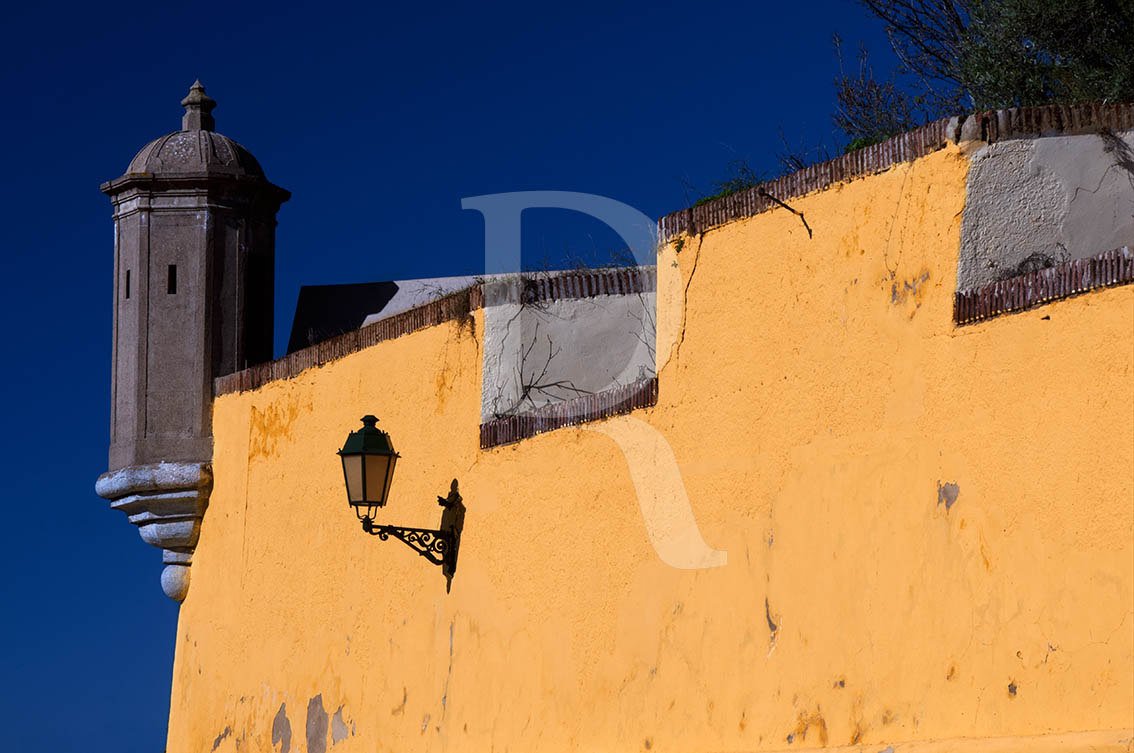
817 398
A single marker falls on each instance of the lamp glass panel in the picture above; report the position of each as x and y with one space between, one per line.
376 466
389 476
352 469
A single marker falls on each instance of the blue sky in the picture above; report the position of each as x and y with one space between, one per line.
379 119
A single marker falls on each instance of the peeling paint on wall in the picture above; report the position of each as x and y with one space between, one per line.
947 494
317 719
900 291
281 730
220 738
773 628
339 729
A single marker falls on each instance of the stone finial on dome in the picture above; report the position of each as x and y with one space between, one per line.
198 109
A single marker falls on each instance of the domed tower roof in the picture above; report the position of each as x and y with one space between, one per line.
196 148
197 156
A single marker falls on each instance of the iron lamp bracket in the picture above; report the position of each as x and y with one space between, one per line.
437 545
432 544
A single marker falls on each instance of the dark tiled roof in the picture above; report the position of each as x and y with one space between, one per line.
324 311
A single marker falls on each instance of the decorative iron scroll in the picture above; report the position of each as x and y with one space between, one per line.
431 544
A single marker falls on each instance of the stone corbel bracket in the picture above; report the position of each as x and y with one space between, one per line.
167 502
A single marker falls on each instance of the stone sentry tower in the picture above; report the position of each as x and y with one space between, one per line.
194 266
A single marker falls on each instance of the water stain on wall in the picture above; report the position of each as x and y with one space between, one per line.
271 426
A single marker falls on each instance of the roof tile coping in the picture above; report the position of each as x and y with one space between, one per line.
990 126
986 125
578 410
1042 286
453 307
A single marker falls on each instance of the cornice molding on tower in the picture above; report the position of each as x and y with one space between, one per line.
167 502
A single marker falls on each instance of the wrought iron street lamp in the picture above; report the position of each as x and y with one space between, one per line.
369 458
368 466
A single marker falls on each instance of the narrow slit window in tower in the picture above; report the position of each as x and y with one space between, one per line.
171 285
127 284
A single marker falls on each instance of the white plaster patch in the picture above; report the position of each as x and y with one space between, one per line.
538 354
1041 201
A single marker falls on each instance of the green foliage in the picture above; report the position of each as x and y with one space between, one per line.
869 111
963 55
960 55
740 178
861 143
1017 53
